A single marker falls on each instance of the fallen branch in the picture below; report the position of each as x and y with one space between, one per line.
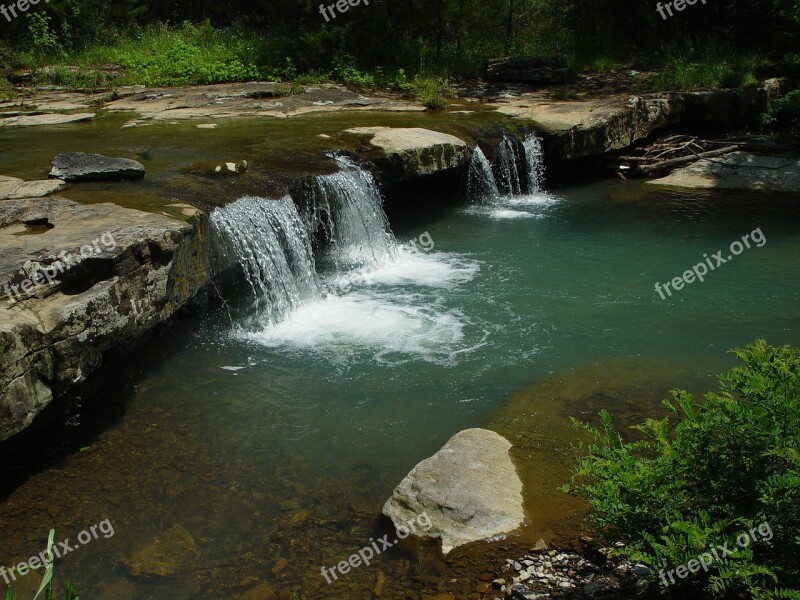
674 162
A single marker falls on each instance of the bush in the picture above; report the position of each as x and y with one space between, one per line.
785 114
726 466
433 92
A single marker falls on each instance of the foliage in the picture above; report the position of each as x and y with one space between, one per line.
46 586
682 75
433 92
784 114
725 466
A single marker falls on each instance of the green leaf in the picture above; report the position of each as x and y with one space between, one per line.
70 593
48 572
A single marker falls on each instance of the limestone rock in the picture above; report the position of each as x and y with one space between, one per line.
89 279
470 490
538 69
10 189
738 171
44 119
79 166
576 129
405 153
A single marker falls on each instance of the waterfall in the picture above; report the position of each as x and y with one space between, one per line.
269 241
507 171
480 180
534 163
518 169
349 207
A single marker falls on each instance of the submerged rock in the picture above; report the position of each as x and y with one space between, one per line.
470 490
738 171
216 169
536 69
169 553
79 166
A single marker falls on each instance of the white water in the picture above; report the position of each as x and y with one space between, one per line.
375 296
269 241
513 186
481 186
349 206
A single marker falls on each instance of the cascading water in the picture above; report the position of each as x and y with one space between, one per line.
269 241
507 172
534 163
481 186
349 206
518 169
380 295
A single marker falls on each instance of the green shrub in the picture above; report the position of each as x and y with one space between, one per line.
44 40
784 116
725 466
433 92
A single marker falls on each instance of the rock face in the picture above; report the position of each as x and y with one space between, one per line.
738 171
79 166
76 282
405 153
470 490
538 69
12 188
577 129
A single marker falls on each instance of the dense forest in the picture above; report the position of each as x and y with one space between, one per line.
283 38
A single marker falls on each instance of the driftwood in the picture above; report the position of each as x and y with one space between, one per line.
673 151
675 162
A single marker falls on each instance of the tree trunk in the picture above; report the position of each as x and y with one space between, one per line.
510 27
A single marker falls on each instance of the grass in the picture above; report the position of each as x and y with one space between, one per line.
684 75
160 56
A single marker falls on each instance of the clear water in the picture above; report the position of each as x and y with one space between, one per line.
283 441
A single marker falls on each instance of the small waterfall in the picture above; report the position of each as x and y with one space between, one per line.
348 205
269 241
534 163
480 179
518 169
507 168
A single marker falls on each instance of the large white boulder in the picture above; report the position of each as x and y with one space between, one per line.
469 490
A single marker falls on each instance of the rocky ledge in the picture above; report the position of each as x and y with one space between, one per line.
593 127
405 153
77 282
